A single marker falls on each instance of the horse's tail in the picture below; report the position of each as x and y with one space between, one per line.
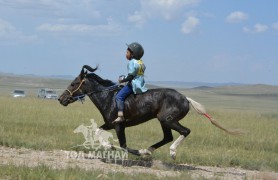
201 110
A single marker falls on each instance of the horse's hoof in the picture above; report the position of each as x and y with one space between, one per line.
173 154
145 152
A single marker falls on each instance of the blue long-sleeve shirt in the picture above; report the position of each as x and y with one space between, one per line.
137 69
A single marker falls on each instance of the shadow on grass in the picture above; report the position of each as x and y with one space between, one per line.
154 164
149 163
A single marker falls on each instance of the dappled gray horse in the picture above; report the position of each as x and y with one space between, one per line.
167 105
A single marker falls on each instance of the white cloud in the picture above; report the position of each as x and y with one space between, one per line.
275 25
257 28
6 28
111 28
139 18
236 16
65 8
260 28
190 25
9 33
166 9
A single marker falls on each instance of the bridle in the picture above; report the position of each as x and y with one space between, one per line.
81 97
77 89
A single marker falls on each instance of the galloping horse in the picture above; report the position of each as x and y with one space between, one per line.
167 105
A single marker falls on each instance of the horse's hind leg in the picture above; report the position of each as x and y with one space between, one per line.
168 137
175 125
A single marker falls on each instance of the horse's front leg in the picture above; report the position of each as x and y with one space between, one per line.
120 130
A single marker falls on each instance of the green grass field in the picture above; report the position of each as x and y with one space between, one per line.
46 125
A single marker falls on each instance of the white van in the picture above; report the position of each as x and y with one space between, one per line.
47 93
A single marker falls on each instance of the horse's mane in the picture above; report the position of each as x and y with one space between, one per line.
104 82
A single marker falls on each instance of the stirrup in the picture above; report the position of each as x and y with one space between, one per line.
119 119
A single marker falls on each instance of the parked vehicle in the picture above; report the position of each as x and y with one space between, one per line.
18 93
47 93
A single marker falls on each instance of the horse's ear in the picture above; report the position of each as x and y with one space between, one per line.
83 73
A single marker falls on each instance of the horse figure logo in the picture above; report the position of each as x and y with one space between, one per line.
95 138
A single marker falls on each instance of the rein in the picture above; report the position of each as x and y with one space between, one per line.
80 97
110 88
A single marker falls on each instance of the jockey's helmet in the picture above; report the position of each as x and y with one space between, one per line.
136 49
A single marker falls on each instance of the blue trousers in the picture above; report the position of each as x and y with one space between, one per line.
122 95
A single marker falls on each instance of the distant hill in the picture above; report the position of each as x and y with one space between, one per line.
29 83
69 77
10 81
202 88
242 90
177 84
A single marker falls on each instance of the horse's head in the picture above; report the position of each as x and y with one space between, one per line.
76 89
80 129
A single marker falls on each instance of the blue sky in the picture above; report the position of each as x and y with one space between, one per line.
184 40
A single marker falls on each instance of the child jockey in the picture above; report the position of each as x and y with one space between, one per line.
135 79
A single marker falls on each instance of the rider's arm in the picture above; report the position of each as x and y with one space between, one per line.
132 70
129 78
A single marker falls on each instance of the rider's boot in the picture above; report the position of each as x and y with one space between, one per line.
120 117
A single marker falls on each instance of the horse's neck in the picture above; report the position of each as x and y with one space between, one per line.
105 102
83 130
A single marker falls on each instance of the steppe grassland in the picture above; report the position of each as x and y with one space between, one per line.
45 125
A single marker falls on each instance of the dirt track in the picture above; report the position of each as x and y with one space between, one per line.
60 160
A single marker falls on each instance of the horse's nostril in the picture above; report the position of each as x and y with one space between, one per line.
60 98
